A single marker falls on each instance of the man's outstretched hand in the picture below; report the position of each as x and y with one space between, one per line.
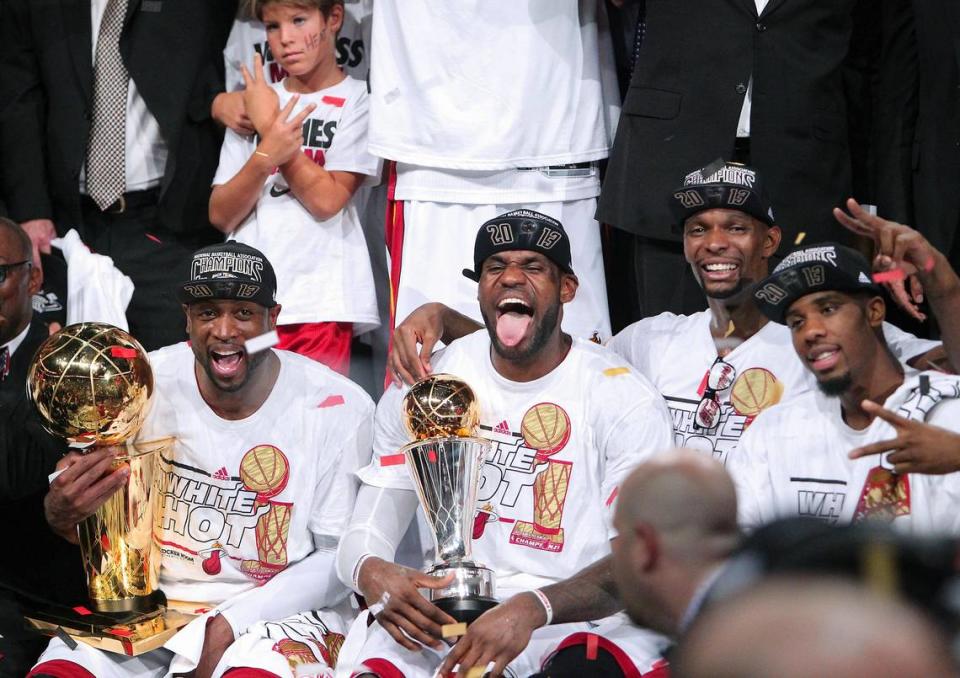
918 447
902 254
413 342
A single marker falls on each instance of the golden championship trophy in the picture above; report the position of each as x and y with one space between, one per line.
91 383
445 460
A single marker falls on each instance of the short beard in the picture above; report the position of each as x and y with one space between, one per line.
541 335
836 386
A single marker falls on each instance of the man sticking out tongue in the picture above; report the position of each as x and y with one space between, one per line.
566 420
522 266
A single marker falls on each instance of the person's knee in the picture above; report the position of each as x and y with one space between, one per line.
59 668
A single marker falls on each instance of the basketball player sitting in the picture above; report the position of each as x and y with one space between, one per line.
259 488
795 459
719 368
567 420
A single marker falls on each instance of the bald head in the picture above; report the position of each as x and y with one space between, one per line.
677 522
14 242
685 495
812 627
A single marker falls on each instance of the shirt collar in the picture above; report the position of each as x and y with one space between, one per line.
14 343
699 596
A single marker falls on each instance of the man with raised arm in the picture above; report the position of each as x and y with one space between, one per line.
794 460
719 368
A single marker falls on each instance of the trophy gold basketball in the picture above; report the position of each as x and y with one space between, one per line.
91 383
445 460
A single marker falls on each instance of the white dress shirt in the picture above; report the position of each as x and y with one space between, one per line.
14 343
743 125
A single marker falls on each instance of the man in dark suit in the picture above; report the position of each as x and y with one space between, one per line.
39 568
936 148
105 126
722 78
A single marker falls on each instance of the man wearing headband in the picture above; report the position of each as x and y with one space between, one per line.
259 485
566 420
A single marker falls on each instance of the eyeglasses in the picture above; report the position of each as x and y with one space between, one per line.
6 267
719 378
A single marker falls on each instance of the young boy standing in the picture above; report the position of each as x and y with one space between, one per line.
290 191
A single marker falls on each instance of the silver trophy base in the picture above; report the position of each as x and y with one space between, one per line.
470 594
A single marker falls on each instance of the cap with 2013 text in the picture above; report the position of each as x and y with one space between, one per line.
818 268
521 230
230 270
726 185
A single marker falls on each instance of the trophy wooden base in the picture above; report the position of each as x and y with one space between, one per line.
129 633
465 610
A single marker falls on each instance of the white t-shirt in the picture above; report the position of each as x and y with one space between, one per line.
541 516
245 498
793 462
249 37
492 85
323 268
676 351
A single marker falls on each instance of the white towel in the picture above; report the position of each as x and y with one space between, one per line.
96 290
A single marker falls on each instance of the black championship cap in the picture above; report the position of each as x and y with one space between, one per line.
721 184
230 270
521 230
827 266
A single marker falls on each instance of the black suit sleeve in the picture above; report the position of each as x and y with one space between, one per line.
881 78
23 178
27 453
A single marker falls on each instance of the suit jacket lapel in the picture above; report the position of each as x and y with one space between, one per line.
132 7
76 17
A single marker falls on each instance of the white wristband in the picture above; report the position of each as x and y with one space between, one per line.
547 607
356 571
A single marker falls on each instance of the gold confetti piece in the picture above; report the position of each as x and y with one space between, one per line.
614 371
878 561
476 671
800 236
731 328
453 630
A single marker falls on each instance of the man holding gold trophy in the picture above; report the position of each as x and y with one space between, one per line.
565 421
258 488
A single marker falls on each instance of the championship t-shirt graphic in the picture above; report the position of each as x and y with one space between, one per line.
230 512
522 461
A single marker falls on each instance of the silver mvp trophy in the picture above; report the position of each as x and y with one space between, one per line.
441 414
